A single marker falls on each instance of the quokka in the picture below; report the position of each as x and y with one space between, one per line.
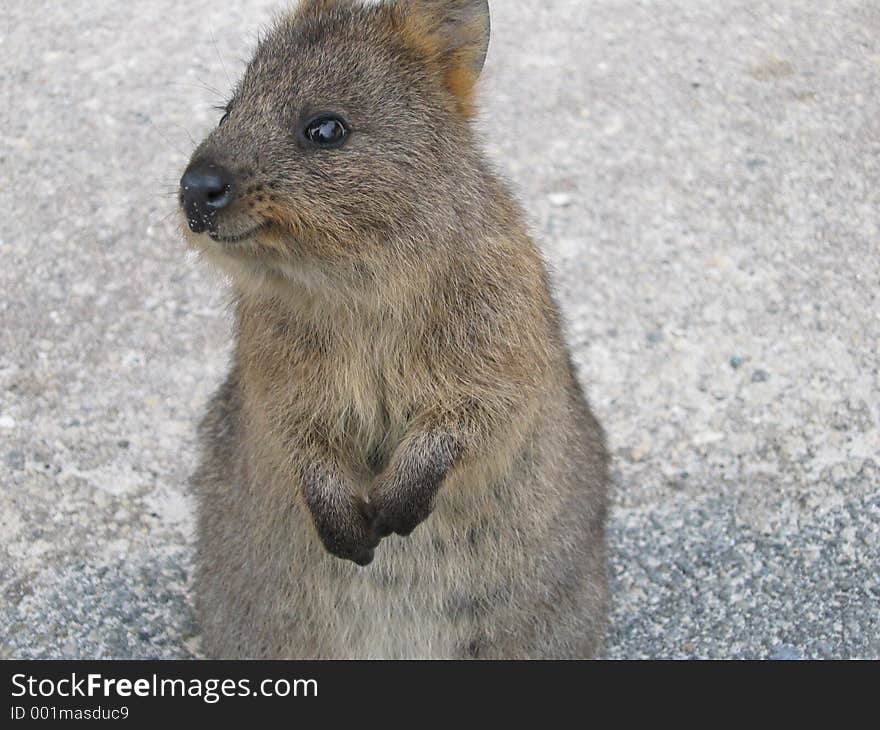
401 462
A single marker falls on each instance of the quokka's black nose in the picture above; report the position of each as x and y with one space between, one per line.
205 188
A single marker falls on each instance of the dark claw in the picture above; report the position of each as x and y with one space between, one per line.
364 558
382 528
358 549
361 555
401 522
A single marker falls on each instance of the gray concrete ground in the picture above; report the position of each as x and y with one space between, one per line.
704 179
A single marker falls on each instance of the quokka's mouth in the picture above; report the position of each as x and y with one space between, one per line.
239 238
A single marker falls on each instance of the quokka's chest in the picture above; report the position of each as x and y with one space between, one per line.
357 394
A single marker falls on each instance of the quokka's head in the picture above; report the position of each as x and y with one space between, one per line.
348 135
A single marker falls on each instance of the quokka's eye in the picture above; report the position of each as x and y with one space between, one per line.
327 130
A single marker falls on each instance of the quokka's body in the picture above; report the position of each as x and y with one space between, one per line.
399 366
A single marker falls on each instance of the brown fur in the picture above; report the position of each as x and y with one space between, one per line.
399 360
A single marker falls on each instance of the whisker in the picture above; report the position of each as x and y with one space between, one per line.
165 139
213 90
187 133
220 56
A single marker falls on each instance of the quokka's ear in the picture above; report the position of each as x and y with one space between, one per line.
456 33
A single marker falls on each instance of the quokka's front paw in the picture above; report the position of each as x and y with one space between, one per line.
349 536
396 513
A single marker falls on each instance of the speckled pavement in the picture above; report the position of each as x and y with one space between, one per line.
704 180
